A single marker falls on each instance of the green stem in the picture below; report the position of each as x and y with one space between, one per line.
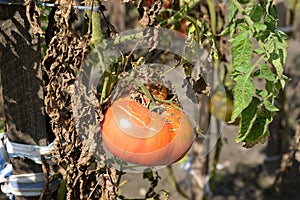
147 93
241 10
104 89
213 172
62 190
174 182
213 18
180 13
97 35
194 22
258 61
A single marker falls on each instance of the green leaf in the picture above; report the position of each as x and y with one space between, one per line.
262 93
281 45
259 131
273 87
257 13
256 128
244 68
243 28
241 48
262 37
260 27
191 29
273 11
265 73
243 92
269 44
271 17
282 80
276 62
269 106
247 120
233 10
259 51
249 8
263 112
148 175
224 32
243 1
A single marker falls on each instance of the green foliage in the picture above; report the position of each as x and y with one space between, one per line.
258 53
2 126
256 107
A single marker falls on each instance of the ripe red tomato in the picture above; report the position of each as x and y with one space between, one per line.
134 134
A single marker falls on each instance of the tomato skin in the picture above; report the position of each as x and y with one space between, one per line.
221 107
134 134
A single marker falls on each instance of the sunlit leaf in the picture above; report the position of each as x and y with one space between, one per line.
269 106
241 49
257 13
265 72
247 120
243 92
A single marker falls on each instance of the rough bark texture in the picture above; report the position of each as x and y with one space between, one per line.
22 84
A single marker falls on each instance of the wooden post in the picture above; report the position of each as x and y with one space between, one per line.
21 76
200 165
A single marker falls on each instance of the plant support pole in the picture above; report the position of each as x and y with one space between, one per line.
21 77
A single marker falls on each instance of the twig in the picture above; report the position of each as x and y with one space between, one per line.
212 13
212 175
174 182
241 10
180 13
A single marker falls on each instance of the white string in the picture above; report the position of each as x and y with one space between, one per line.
5 2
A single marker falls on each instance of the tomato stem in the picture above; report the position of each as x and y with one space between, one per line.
146 92
170 102
104 89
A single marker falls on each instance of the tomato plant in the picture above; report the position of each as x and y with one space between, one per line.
133 133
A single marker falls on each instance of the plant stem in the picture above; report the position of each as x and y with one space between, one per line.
257 63
241 10
180 13
104 89
213 19
214 165
97 35
174 182
194 22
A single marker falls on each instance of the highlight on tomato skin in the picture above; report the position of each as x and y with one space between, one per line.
134 134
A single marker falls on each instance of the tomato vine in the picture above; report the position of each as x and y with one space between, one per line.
258 52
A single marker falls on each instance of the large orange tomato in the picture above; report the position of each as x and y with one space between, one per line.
134 134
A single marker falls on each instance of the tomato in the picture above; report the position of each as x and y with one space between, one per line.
221 106
134 134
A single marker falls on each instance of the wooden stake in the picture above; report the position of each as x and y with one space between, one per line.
21 76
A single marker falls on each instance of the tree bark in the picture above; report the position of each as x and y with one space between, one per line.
21 76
